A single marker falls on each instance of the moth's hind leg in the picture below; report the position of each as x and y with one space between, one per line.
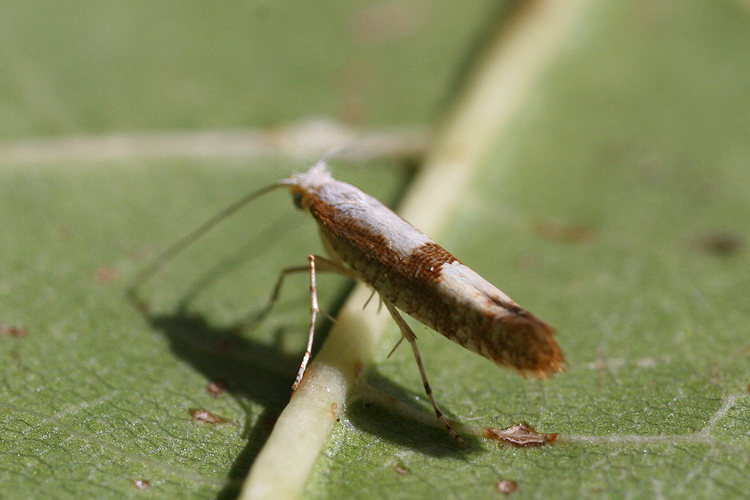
323 265
316 263
408 334
277 289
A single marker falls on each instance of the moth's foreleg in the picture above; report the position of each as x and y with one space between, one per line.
316 263
408 334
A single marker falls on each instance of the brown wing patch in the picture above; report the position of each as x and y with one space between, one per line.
511 306
426 262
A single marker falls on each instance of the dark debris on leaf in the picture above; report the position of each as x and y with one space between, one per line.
401 469
506 486
105 274
563 233
217 388
521 435
721 244
13 331
141 484
205 416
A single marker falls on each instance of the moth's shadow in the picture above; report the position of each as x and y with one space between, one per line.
251 371
386 422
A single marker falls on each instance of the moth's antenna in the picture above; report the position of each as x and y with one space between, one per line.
188 239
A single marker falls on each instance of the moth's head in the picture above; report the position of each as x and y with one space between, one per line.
303 186
298 197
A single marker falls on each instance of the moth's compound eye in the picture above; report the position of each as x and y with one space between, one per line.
297 199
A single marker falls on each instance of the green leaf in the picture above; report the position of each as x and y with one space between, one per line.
617 209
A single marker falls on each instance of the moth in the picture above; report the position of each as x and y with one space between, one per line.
368 242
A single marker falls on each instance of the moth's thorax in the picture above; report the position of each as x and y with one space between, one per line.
344 211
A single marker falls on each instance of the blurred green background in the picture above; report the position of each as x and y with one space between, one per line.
88 66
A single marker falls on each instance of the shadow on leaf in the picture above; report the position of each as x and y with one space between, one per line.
425 434
251 371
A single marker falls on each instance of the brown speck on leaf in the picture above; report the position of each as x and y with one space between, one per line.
105 274
13 331
402 470
564 233
217 388
521 435
141 484
506 486
601 367
205 416
142 306
721 244
716 377
388 21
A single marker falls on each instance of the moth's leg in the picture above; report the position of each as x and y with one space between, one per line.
401 339
316 263
408 334
324 265
368 300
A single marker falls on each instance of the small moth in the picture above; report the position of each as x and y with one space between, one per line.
367 241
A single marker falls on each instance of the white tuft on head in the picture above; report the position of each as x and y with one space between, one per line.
316 176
